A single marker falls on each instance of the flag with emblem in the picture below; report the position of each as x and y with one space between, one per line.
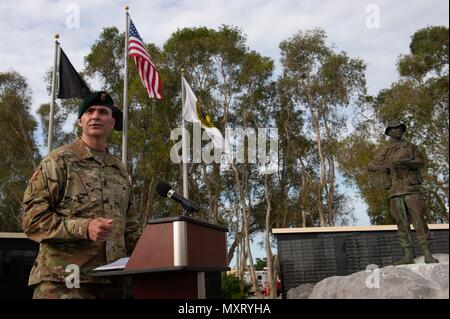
193 112
145 67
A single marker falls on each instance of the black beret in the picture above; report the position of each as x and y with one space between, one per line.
102 98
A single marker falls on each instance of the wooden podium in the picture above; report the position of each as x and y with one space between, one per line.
176 258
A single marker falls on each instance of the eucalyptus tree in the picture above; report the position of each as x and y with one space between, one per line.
324 82
19 154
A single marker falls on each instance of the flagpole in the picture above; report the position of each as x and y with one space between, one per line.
52 101
125 92
185 146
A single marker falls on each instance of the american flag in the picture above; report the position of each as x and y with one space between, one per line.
145 67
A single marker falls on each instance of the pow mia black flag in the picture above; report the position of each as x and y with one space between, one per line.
71 84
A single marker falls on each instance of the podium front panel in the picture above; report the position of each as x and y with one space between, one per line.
178 258
154 249
205 246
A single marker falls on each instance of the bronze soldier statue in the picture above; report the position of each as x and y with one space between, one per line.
79 206
400 161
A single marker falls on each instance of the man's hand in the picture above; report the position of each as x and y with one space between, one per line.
100 228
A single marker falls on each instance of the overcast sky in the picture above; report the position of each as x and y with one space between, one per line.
27 28
376 31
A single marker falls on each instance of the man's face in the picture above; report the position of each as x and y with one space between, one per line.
396 132
97 121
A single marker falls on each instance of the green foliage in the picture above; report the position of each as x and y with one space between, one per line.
19 155
260 263
322 82
60 115
429 52
233 287
355 153
106 60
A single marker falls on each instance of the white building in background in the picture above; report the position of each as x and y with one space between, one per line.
261 276
263 281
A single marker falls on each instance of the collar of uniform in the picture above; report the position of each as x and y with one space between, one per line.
85 152
82 149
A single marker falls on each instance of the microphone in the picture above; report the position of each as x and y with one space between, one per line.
165 190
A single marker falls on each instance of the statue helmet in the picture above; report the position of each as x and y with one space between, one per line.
394 125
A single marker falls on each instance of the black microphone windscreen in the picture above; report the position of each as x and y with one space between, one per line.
162 188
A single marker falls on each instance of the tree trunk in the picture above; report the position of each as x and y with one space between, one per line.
273 293
270 272
331 177
322 182
232 250
211 196
245 219
242 259
301 201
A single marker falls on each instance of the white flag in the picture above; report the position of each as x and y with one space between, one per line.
193 112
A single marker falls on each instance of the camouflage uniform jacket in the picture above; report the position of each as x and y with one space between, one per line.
403 179
69 188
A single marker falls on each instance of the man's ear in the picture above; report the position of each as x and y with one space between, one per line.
79 122
113 122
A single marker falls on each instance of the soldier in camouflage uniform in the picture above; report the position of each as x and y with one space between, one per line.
400 162
79 206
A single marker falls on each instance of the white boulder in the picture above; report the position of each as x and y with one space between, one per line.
414 281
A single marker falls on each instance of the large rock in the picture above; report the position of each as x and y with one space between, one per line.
414 281
300 292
